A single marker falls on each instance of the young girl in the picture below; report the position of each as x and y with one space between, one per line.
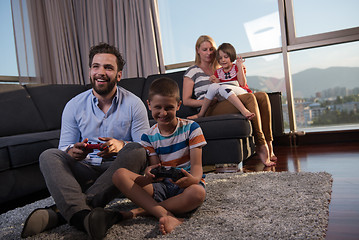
227 82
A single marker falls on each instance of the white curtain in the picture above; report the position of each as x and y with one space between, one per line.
53 37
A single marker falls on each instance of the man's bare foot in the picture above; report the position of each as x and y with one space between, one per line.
168 223
193 116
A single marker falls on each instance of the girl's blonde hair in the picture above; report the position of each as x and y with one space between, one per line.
200 40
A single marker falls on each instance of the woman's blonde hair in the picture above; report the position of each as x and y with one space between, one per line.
200 40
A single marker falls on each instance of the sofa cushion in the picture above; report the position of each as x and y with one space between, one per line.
19 114
227 150
4 159
25 149
50 100
20 182
134 85
225 126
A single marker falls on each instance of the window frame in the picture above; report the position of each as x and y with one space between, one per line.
292 43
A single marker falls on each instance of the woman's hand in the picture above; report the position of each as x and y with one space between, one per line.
187 99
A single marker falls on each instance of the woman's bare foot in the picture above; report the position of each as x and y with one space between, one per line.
169 223
263 153
272 157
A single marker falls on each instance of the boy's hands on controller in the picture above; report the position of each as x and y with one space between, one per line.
148 173
187 180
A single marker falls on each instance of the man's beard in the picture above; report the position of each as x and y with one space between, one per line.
103 91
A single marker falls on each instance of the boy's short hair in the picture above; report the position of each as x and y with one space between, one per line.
166 87
107 48
228 49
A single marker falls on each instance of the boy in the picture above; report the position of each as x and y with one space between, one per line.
171 142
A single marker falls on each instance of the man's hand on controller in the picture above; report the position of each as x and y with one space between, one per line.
111 147
79 151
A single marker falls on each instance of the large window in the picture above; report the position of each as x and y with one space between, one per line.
317 70
320 16
8 64
241 23
326 86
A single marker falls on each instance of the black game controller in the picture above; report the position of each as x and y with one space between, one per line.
94 146
162 172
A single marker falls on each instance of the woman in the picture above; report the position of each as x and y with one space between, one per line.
197 80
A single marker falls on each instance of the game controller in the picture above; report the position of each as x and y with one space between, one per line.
162 172
94 146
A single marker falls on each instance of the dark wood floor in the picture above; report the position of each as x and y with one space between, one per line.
340 160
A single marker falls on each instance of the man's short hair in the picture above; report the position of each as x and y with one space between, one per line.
107 48
166 87
228 49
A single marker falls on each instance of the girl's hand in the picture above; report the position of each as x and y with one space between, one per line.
187 180
240 64
213 79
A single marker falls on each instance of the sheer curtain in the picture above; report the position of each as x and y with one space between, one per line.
53 37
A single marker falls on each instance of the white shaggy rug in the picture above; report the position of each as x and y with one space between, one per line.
264 205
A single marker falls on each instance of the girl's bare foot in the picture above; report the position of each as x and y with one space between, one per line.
249 115
169 223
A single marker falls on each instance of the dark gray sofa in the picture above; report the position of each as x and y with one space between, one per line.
31 121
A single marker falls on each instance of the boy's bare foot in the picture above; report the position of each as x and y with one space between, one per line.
127 215
193 116
168 223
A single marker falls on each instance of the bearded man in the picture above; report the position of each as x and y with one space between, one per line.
79 178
